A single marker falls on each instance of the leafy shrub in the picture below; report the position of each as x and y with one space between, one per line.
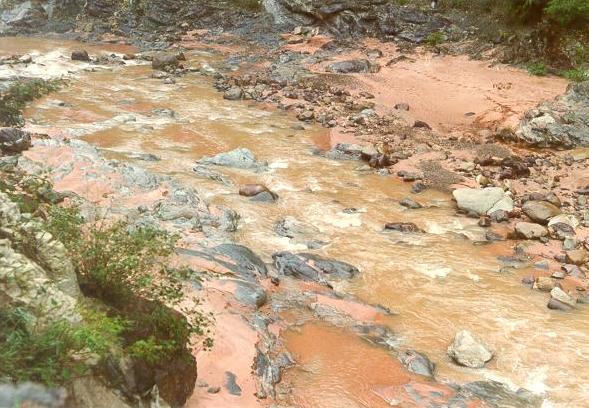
567 12
54 354
538 69
15 98
576 75
435 38
127 269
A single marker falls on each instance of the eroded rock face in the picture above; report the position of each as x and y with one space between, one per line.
379 18
563 122
35 272
312 267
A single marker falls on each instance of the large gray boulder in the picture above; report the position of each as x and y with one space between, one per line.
469 351
240 158
483 200
563 122
352 66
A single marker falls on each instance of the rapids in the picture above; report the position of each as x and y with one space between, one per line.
438 282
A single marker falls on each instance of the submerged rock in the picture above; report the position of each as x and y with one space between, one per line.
417 363
496 395
402 227
483 201
467 350
258 192
312 267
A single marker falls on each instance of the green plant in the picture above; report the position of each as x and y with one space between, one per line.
15 98
576 74
57 352
127 268
567 12
435 38
538 69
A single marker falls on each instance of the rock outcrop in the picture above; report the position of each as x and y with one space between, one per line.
563 122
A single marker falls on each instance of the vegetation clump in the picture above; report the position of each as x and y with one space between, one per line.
14 99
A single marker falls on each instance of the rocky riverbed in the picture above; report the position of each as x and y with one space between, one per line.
370 223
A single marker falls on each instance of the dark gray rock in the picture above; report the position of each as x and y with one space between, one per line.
312 267
402 227
409 203
231 384
496 394
80 55
417 363
250 293
14 141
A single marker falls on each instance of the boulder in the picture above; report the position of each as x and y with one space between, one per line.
312 267
240 158
540 211
559 295
529 230
80 55
163 61
483 201
467 350
353 66
14 141
234 93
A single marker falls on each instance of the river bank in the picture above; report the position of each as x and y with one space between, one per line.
336 209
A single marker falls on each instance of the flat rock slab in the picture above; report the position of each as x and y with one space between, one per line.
483 201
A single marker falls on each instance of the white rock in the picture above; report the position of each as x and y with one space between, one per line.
467 350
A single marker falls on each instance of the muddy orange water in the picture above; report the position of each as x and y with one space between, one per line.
439 282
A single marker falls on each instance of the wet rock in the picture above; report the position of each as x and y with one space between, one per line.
409 203
80 55
495 394
345 151
528 230
467 350
402 227
250 293
14 141
540 211
353 66
577 256
559 295
418 187
206 172
418 363
164 61
145 157
312 267
259 192
483 201
402 106
213 390
240 158
231 384
234 93
296 230
380 161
